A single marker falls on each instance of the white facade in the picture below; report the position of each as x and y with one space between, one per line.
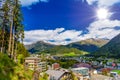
32 62
42 66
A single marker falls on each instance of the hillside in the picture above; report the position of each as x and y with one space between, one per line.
97 42
112 48
39 47
64 50
88 45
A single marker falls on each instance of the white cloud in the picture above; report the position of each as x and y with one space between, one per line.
100 3
103 29
103 3
31 2
97 29
59 35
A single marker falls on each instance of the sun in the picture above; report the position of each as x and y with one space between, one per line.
102 13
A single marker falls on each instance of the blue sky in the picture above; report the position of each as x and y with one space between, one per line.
70 14
66 21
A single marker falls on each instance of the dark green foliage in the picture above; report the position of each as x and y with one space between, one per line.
11 27
4 25
11 33
22 50
63 63
21 53
17 20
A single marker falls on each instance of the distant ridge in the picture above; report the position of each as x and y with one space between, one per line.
111 49
88 45
39 47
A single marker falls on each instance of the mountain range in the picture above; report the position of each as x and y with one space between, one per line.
84 46
111 49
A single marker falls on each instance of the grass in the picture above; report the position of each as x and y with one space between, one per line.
71 54
118 71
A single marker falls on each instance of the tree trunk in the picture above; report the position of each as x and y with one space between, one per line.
10 39
15 53
13 44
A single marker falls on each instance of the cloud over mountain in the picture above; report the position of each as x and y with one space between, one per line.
103 29
98 29
58 36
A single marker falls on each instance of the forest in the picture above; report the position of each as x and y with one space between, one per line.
12 50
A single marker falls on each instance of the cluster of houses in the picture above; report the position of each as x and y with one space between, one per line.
80 70
35 62
55 72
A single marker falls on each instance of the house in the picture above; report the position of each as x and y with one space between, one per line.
78 65
32 62
82 71
42 66
58 75
56 66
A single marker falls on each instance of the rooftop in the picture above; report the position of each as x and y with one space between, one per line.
32 58
56 74
79 68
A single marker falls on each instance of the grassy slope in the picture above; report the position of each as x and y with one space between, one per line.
118 71
9 70
22 74
61 50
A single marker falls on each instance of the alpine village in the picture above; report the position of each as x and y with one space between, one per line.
88 59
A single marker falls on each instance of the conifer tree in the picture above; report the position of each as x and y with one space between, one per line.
4 25
18 28
11 28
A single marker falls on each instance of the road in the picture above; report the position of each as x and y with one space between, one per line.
101 77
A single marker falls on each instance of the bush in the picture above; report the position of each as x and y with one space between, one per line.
6 67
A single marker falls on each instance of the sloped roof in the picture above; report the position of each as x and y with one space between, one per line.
82 65
32 58
56 74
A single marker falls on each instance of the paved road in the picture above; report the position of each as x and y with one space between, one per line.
101 77
117 78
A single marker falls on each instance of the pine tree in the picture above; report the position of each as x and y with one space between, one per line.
18 32
11 29
4 25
